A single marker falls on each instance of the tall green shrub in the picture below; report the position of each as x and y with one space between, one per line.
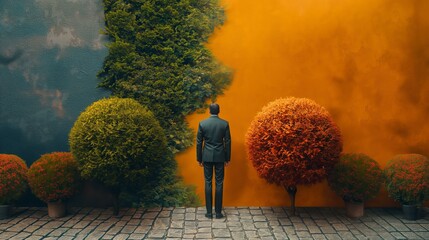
119 143
157 55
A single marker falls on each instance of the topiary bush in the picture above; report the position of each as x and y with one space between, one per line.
13 178
293 141
119 143
356 177
54 177
407 178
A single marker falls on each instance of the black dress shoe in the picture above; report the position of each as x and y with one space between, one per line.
219 215
209 215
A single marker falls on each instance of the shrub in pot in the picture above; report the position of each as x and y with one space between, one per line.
407 182
13 181
293 141
119 143
356 178
54 178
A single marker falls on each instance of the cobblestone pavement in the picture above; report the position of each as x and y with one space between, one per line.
190 223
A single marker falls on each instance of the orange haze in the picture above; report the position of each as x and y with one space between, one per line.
366 61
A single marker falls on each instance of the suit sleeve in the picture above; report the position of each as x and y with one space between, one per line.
227 140
199 144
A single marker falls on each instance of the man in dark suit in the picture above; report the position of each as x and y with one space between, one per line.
213 153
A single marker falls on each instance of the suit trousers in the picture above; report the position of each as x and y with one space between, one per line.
219 168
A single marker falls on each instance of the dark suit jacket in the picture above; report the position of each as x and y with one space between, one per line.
213 140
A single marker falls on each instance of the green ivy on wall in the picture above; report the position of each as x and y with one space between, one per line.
157 55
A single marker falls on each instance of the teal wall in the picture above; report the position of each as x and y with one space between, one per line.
50 53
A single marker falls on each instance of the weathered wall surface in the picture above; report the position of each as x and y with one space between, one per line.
50 53
367 62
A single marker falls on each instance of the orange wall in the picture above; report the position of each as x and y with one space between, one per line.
366 61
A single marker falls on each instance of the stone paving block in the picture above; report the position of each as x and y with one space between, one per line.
411 235
327 230
147 222
203 236
261 225
267 238
40 223
218 225
128 229
42 231
204 224
72 232
398 235
259 218
95 235
157 233
415 227
251 234
238 235
175 233
386 236
150 215
263 232
136 236
58 232
121 236
114 230
108 236
32 237
65 238
19 236
221 233
333 236
340 227
161 223
423 235
318 236
142 229
81 224
190 216
236 229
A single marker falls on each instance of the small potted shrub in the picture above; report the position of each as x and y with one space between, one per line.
356 178
13 181
54 178
407 182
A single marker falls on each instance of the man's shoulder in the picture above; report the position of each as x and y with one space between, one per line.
213 119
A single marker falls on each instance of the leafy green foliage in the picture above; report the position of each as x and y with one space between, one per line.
157 55
119 143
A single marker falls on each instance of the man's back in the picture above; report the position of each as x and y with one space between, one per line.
214 133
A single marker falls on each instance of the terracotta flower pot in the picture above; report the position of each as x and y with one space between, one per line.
354 209
56 209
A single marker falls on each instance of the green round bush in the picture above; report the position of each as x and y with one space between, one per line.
119 142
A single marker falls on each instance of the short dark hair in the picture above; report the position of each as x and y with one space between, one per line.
214 108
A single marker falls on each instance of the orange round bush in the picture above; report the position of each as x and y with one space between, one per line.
293 141
13 177
54 176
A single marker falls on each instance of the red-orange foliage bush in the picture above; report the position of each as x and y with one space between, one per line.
293 141
13 177
54 176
